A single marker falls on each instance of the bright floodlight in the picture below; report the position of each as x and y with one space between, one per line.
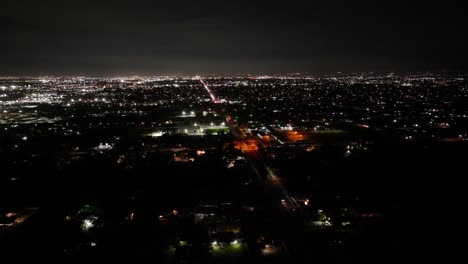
87 224
223 124
214 243
192 113
183 112
235 242
157 134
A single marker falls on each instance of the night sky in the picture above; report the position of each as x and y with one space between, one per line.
113 37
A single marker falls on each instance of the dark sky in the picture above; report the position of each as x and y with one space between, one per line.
115 37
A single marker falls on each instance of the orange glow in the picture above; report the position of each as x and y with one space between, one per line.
246 146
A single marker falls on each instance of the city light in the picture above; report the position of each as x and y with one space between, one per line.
157 134
283 135
87 224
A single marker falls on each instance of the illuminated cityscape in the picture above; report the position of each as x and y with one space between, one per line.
223 132
211 166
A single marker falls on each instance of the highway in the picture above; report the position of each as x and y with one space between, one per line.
208 90
265 175
279 206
